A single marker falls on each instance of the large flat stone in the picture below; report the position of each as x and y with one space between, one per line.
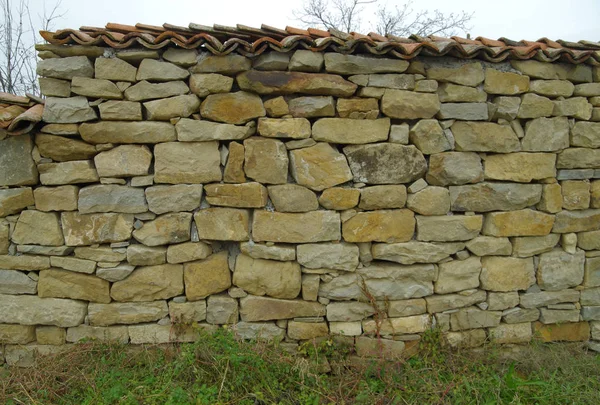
112 198
17 167
319 167
232 108
415 252
309 227
89 229
206 277
73 172
267 277
253 309
62 149
339 256
144 90
518 223
33 310
454 168
558 270
468 74
176 198
95 88
68 284
245 195
127 132
546 135
16 283
357 64
266 160
65 68
484 197
448 228
124 161
223 224
350 131
14 200
409 105
577 221
189 130
484 137
507 273
150 283
38 228
190 162
388 226
165 229
68 110
520 167
172 107
295 82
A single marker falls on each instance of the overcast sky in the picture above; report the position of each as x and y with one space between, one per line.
515 19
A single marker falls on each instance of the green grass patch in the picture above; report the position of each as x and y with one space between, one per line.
221 370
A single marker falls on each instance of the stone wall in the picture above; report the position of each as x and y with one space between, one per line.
293 196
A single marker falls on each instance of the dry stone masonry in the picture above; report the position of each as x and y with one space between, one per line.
296 195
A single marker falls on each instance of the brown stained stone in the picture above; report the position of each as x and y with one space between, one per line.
189 162
448 228
73 172
518 223
254 309
17 167
150 283
222 224
124 161
566 332
505 274
295 82
276 107
576 194
484 137
245 195
267 277
68 110
141 255
112 198
546 135
190 130
17 334
266 160
211 83
234 169
306 331
165 229
338 198
127 132
358 108
577 107
469 74
382 197
578 158
319 167
154 70
520 167
291 128
4 239
77 286
388 226
552 88
505 83
188 252
309 227
453 93
206 277
38 228
232 108
24 262
409 105
33 310
292 198
385 163
63 149
350 131
228 64
14 200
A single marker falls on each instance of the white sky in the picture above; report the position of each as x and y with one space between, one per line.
515 19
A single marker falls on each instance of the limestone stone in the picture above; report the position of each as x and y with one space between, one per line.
430 201
552 88
534 106
464 111
589 240
358 108
115 334
506 107
38 228
409 105
415 252
206 277
533 245
114 274
222 224
187 252
141 255
339 256
306 331
154 70
469 74
318 167
17 334
395 163
576 194
114 69
260 251
293 128
426 86
569 332
505 274
310 287
124 161
24 262
558 270
577 107
388 226
466 340
587 90
295 82
518 223
454 168
292 198
515 333
189 162
180 197
309 227
222 310
61 149
403 308
73 172
54 87
354 64
306 61
68 110
266 277
68 284
458 275
546 135
136 55
452 93
65 68
398 326
17 167
266 160
448 228
50 335
520 315
210 83
498 301
311 107
446 302
577 221
383 281
350 131
127 132
586 134
73 264
95 88
166 108
245 195
551 200
150 283
276 107
126 312
165 229
520 167
338 198
14 200
348 311
484 137
473 318
383 197
112 198
234 169
4 239
505 83
253 308
15 282
428 136
144 90
228 64
578 158
187 312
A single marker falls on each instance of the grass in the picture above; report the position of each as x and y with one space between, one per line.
221 370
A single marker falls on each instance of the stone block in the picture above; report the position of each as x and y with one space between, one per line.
504 274
222 224
149 284
206 277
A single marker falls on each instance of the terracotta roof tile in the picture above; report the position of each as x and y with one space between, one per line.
250 41
18 114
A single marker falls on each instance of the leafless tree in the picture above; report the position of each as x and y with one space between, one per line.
346 15
18 34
